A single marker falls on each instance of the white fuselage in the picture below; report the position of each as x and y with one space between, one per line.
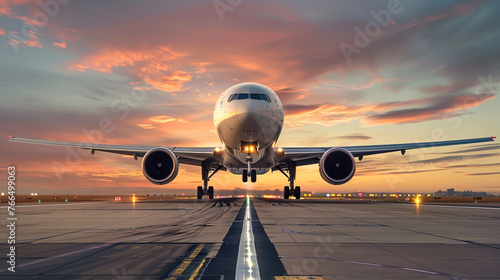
248 118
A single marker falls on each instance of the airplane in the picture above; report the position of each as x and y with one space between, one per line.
249 118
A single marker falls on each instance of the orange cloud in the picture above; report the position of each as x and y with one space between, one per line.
116 174
34 41
2 31
164 119
8 3
328 115
152 66
6 9
153 122
378 114
60 45
146 125
161 77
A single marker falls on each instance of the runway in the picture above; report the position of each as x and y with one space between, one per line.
192 239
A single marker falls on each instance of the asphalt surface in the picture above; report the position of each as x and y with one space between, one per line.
385 240
200 239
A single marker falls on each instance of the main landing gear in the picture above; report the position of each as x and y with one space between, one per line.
206 190
290 190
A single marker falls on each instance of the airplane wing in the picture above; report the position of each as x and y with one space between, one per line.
299 155
311 155
186 155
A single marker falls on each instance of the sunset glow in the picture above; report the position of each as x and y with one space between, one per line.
149 73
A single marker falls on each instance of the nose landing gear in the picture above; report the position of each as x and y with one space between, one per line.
253 176
249 172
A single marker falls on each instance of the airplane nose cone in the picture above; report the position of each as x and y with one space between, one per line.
249 111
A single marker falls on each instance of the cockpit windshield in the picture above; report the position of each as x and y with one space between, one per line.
242 96
254 96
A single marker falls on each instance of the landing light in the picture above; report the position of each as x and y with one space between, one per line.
250 149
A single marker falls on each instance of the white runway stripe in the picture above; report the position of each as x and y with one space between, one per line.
247 267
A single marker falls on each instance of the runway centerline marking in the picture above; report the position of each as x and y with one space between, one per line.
247 266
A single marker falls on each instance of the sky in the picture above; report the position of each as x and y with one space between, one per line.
347 72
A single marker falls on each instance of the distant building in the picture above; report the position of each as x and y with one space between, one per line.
451 193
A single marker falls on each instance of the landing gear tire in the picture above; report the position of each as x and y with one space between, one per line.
286 193
245 176
253 176
210 192
199 193
297 192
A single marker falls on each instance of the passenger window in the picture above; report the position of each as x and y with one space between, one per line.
242 96
255 96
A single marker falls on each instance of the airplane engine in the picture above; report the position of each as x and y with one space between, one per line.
160 166
337 166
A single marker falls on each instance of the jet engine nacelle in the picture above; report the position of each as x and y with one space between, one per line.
160 166
337 166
